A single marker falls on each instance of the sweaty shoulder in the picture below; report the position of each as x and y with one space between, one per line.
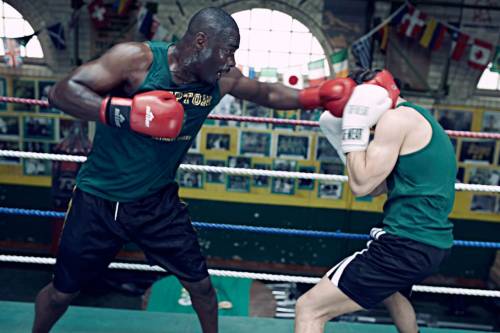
133 55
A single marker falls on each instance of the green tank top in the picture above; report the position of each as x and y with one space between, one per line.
421 190
126 166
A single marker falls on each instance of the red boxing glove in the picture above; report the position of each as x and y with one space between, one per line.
332 95
155 113
386 81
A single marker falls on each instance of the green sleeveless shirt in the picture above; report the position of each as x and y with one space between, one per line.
421 190
126 166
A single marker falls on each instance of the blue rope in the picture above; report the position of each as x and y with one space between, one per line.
264 230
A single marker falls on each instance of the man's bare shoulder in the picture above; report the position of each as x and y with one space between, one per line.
399 116
134 53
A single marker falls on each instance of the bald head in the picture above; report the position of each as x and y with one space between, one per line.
212 21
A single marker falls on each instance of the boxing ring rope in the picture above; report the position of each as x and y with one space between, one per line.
256 276
237 171
266 230
293 122
258 229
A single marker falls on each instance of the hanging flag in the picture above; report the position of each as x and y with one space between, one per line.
122 6
293 78
382 36
433 35
56 34
480 54
251 73
98 14
340 63
459 43
12 55
413 23
316 72
495 63
158 32
399 17
25 39
268 75
361 50
145 21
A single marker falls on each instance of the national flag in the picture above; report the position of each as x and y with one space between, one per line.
361 50
340 63
145 21
316 72
412 23
25 39
459 43
433 35
56 34
480 54
12 55
495 63
268 75
399 17
293 78
251 73
122 6
98 14
382 36
158 32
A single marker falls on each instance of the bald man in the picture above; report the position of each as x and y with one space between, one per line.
149 101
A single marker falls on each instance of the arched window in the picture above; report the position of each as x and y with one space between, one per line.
13 25
489 80
273 39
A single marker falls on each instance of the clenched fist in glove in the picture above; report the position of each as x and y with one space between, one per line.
155 113
332 95
365 107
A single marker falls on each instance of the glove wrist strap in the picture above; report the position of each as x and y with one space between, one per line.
118 112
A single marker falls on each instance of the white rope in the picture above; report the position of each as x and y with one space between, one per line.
255 276
239 171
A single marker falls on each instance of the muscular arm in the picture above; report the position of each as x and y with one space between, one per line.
368 169
273 95
80 93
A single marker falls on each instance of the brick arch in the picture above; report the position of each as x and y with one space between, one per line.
38 17
312 23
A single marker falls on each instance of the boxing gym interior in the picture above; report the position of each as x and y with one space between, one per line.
267 193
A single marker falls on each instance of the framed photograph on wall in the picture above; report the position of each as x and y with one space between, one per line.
477 151
191 179
3 92
484 176
24 89
65 126
454 119
292 146
256 110
9 126
284 185
325 151
491 122
330 190
35 167
215 177
218 141
39 128
306 184
310 115
460 175
255 143
43 90
195 144
9 145
228 105
285 114
238 183
483 203
261 181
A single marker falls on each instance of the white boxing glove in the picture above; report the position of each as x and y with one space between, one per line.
331 127
367 104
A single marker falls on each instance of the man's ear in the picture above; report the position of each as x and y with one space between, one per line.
201 40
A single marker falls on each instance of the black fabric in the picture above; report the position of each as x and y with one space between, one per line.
159 224
390 264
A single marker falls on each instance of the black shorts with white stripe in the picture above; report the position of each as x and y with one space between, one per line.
388 265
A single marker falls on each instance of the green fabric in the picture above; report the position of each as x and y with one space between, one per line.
421 190
17 317
233 295
126 166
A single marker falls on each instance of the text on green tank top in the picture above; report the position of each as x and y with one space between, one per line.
125 166
421 190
